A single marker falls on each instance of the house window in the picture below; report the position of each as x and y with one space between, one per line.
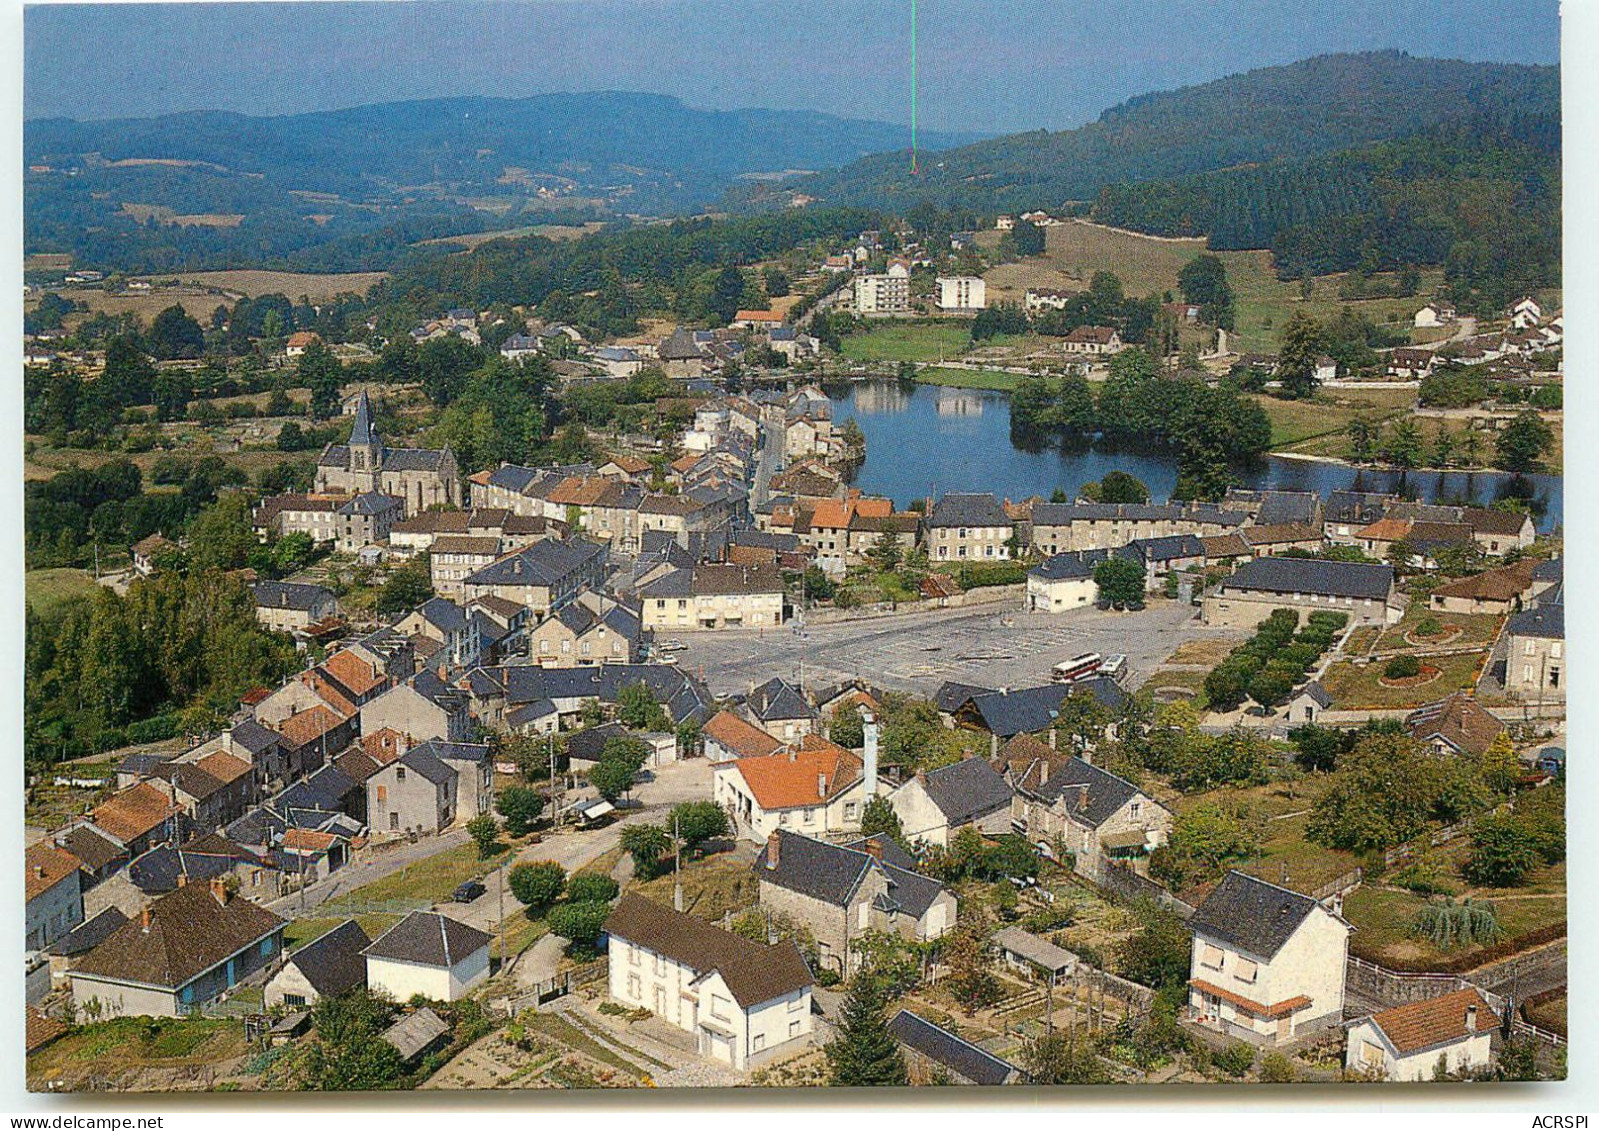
394 821
1370 1054
1132 810
293 1001
849 810
660 964
1210 956
1246 970
720 1007
759 1042
635 988
399 773
793 1029
266 947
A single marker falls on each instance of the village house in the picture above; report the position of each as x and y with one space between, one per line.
366 520
1092 341
140 817
147 551
1059 528
725 736
1456 724
414 795
1495 592
211 791
544 576
812 786
781 710
968 527
744 1002
288 606
1264 539
315 515
1092 814
1346 512
714 595
1499 532
1010 711
1408 1043
1160 557
54 892
1535 655
426 953
887 293
330 965
1268 963
452 558
1364 592
681 355
179 954
840 891
423 707
579 635
1307 703
933 805
1405 364
1064 581
1043 298
1439 312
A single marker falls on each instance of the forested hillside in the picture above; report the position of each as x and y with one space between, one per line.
1297 111
354 189
1480 196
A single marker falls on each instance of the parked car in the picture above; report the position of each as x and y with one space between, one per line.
670 646
468 891
1114 666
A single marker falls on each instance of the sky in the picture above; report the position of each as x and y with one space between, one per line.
995 66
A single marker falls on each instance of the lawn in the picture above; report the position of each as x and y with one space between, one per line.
1382 919
302 931
50 590
987 379
909 340
1209 651
1355 687
317 288
1287 857
1262 302
431 880
711 888
1480 630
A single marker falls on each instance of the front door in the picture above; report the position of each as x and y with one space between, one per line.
1210 1010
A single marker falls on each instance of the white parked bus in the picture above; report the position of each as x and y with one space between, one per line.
1076 668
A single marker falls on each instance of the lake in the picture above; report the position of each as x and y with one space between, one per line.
928 440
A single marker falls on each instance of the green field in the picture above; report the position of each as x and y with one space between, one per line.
1382 919
48 590
968 378
910 340
1358 687
431 880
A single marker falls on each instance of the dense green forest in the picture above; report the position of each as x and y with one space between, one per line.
1300 110
1481 197
354 189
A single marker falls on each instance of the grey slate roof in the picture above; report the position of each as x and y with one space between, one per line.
1064 514
1251 915
414 459
1287 506
444 614
1106 792
967 790
832 872
951 694
425 762
1027 709
88 934
1316 693
336 961
429 939
1551 569
413 1033
361 430
967 509
955 1053
289 595
253 736
1546 620
543 563
778 699
1363 507
1355 580
1168 548
1070 566
587 745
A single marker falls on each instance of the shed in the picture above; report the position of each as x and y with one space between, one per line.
416 1034
1024 950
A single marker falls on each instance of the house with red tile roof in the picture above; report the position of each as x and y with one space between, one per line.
812 786
1407 1043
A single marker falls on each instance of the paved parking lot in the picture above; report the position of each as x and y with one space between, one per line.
918 651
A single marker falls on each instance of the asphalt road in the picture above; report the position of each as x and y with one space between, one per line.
918 651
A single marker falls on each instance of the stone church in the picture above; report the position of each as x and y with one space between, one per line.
420 477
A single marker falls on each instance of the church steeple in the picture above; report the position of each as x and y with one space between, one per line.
366 447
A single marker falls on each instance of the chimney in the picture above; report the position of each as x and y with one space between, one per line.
38 871
869 752
1471 1018
219 891
1052 745
821 785
144 918
774 848
1082 800
874 847
993 745
183 879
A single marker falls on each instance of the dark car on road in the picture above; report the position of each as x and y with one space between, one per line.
469 891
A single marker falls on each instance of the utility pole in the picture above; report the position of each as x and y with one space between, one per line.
499 876
677 863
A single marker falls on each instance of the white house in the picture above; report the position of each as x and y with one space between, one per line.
1406 1043
327 966
935 804
1268 963
813 786
1434 314
426 953
742 1001
54 894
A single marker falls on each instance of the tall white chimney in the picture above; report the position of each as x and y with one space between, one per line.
869 753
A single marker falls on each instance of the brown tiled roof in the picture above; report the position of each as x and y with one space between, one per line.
1277 1009
632 465
1225 546
1503 584
481 544
809 772
47 866
190 778
308 840
150 544
499 606
744 739
1459 720
751 556
41 1029
189 932
356 764
384 745
432 522
135 811
330 691
353 673
1440 532
1422 1025
309 725
1386 530
710 580
224 767
1486 521
939 585
753 973
92 846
